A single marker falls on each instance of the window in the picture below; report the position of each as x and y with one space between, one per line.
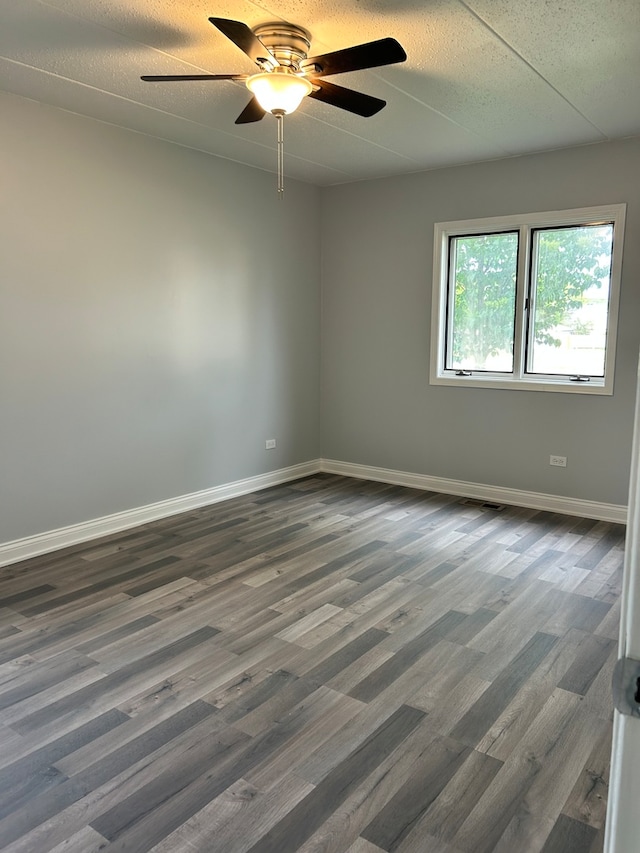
528 302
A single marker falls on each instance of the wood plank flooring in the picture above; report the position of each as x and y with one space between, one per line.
330 665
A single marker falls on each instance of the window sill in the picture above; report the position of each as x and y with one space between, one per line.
561 386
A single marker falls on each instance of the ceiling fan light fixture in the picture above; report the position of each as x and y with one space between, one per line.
279 91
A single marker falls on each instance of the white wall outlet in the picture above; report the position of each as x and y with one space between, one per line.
560 461
270 443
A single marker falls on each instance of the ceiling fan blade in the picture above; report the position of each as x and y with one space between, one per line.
370 55
164 78
346 99
252 112
244 38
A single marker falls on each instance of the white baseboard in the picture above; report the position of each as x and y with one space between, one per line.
496 494
63 537
54 540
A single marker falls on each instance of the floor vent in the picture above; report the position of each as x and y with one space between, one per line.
483 504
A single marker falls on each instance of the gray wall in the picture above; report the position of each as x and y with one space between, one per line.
376 402
159 319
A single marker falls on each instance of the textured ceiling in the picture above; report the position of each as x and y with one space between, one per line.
483 78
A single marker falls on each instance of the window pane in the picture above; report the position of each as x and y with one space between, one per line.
570 300
481 310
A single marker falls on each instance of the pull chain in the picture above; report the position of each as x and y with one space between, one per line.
280 119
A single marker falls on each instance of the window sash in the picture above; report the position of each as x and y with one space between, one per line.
452 278
532 299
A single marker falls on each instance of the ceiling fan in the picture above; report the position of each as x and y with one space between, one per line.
287 74
280 50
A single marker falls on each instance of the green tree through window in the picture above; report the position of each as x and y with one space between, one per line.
484 281
569 263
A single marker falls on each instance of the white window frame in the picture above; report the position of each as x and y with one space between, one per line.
525 224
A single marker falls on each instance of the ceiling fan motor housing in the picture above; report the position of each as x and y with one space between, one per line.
289 43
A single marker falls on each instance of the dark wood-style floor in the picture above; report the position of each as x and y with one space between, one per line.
330 665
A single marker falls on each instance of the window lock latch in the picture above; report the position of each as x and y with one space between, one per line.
463 373
579 378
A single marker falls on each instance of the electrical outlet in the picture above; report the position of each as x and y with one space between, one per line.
560 461
269 444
